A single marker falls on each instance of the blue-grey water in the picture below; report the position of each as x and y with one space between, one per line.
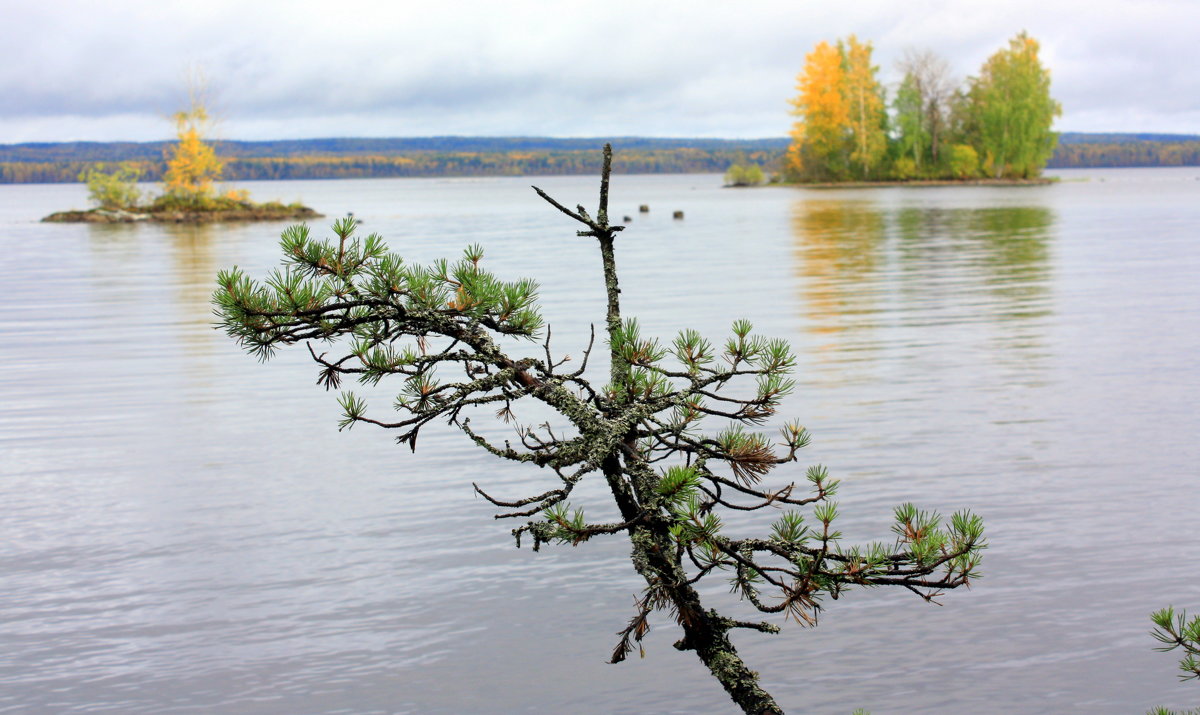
184 530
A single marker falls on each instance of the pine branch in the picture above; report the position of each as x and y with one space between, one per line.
648 433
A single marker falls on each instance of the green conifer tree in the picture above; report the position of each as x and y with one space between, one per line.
667 433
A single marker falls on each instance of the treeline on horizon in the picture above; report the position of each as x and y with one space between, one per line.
345 158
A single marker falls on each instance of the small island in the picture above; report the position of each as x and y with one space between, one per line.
993 131
224 210
188 194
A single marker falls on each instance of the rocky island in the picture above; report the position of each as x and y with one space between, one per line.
225 211
189 192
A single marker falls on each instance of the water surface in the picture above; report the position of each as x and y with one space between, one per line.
184 529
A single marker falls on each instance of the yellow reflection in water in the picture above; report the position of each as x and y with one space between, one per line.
923 273
839 244
193 269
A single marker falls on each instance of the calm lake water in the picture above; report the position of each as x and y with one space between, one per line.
184 530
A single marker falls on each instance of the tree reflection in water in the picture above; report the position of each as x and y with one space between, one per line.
878 274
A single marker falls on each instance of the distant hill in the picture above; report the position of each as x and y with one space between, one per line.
338 158
350 157
349 146
1079 150
1099 138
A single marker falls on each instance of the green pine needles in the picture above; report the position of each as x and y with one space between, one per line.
1176 630
679 433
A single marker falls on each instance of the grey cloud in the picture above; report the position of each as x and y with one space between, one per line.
568 68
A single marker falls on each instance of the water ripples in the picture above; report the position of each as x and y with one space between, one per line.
185 530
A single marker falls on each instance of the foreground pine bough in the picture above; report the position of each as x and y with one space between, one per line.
1178 631
644 433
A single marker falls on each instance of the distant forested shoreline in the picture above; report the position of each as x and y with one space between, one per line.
347 158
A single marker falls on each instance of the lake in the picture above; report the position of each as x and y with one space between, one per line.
184 529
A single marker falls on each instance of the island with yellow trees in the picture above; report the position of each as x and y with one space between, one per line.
993 129
189 193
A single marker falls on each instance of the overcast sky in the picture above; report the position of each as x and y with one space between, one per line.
289 69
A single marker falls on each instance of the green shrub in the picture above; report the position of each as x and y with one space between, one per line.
747 175
196 202
964 161
116 190
904 168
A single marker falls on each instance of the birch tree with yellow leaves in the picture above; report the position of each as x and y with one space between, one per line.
192 164
864 99
818 147
841 132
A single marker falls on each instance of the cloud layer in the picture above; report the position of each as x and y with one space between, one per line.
77 70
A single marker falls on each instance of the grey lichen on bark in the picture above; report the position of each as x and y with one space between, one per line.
674 448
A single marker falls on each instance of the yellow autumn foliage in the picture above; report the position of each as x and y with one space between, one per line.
840 132
821 107
864 104
192 164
